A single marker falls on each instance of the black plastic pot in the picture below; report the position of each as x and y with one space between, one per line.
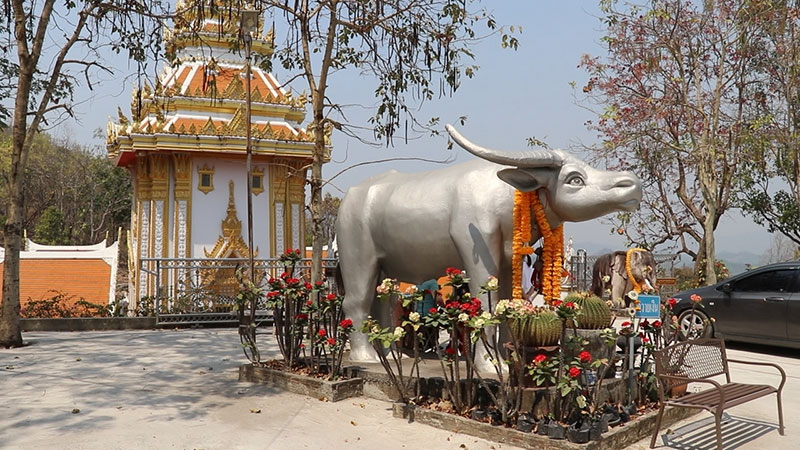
525 424
496 417
611 418
597 428
479 414
556 431
578 433
542 429
631 410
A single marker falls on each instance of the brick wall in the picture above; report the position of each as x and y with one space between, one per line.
86 278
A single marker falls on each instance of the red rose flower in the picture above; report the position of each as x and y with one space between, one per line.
574 372
309 303
302 317
308 286
450 351
557 303
322 333
433 310
626 324
331 342
540 358
452 271
346 323
585 357
570 305
330 297
671 302
657 324
645 339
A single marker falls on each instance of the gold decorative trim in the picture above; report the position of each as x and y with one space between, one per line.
205 170
230 243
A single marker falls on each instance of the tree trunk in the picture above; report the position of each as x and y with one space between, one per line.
10 329
316 187
708 245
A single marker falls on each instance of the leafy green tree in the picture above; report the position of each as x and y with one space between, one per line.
770 189
48 48
51 229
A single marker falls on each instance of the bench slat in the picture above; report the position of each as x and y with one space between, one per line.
735 394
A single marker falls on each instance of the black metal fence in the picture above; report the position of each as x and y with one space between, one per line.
204 290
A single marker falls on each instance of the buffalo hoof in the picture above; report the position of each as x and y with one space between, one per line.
363 355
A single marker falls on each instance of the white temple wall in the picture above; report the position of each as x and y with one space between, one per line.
208 210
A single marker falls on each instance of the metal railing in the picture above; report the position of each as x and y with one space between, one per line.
204 290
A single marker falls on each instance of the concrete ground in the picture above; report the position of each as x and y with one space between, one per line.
178 389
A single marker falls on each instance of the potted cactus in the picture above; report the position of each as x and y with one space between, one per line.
595 313
535 327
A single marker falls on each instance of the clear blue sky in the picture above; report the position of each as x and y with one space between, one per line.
514 95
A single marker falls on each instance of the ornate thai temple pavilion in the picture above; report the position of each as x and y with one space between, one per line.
185 147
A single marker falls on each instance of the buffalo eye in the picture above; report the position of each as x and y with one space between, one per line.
575 180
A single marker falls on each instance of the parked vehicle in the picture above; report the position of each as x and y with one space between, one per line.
759 306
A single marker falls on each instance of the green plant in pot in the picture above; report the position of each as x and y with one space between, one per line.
595 312
533 326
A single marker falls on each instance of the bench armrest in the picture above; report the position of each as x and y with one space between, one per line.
764 363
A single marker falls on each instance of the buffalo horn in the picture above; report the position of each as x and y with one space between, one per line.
528 158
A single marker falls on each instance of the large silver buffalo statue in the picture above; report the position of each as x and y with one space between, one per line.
413 226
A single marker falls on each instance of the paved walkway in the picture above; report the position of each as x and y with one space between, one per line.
178 389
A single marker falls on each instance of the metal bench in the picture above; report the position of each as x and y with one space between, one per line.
697 361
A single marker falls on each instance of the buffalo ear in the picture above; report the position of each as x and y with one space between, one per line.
525 180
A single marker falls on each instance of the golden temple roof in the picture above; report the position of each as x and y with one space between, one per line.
198 103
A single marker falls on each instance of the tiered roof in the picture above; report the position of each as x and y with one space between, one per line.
201 97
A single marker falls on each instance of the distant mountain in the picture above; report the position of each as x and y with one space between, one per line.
737 261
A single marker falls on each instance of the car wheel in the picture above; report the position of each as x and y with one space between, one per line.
699 324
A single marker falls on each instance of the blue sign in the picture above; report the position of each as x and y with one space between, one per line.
650 307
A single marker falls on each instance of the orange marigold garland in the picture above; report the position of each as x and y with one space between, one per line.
636 285
552 251
522 236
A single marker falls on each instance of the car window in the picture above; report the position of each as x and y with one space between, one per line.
772 281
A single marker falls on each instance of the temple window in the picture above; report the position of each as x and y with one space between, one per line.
205 179
257 181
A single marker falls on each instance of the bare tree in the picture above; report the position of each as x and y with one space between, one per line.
414 50
781 249
42 88
675 90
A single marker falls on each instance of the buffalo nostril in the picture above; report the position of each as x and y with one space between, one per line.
623 183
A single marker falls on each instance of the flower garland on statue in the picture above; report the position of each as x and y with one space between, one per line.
552 251
637 287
